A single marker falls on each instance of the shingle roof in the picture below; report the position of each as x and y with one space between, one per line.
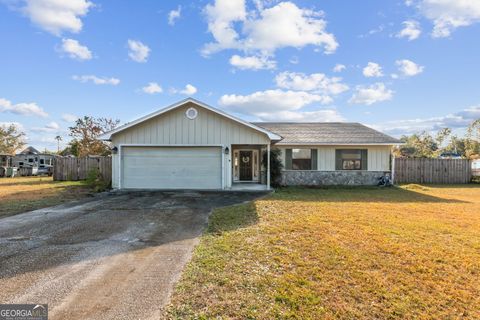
30 150
326 133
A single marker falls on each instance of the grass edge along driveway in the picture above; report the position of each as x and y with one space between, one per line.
23 194
363 253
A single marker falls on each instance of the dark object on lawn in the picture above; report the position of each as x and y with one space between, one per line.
384 181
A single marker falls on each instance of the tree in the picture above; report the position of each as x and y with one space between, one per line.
472 143
421 145
11 139
58 138
457 145
71 150
85 133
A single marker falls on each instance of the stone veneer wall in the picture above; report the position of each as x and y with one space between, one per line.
330 178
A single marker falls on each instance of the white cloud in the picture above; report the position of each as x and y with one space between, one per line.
411 30
174 15
316 82
26 109
68 117
75 50
372 70
252 62
189 90
454 121
294 60
270 103
374 31
152 88
97 80
56 16
138 51
339 67
448 15
52 125
409 68
49 127
294 27
371 94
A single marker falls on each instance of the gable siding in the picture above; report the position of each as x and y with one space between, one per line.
174 127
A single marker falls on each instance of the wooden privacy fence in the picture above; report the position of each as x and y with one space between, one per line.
439 171
72 169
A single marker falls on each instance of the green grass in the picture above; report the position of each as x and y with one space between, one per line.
21 194
409 252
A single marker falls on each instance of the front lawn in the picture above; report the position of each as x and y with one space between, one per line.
21 194
409 252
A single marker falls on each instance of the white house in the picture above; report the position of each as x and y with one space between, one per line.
191 145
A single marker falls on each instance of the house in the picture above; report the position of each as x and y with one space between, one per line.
191 145
32 158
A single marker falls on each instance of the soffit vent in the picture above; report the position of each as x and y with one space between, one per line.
191 113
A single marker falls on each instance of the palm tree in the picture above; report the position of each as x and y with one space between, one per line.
58 138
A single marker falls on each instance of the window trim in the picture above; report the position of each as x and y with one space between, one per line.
339 163
309 159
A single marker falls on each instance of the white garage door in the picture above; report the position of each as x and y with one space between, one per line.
172 167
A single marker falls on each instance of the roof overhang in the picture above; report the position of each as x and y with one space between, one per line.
108 135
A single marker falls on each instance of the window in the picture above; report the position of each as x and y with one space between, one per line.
42 161
351 159
301 159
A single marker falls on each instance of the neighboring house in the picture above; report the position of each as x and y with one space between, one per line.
6 160
32 158
190 145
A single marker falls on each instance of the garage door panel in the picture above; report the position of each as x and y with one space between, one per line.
172 168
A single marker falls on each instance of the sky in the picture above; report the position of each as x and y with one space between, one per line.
399 66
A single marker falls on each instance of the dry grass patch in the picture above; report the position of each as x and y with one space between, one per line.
410 252
21 194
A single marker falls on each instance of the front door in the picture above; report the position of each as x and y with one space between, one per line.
246 165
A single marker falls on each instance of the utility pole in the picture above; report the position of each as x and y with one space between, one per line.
58 138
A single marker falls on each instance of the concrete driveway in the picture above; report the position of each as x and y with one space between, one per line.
112 257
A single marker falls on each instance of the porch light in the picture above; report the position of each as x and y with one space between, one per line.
114 150
227 151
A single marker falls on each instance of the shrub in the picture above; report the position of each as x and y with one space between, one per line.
276 166
96 182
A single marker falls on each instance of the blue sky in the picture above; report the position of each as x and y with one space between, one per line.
402 66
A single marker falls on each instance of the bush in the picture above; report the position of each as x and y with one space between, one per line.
96 182
276 167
